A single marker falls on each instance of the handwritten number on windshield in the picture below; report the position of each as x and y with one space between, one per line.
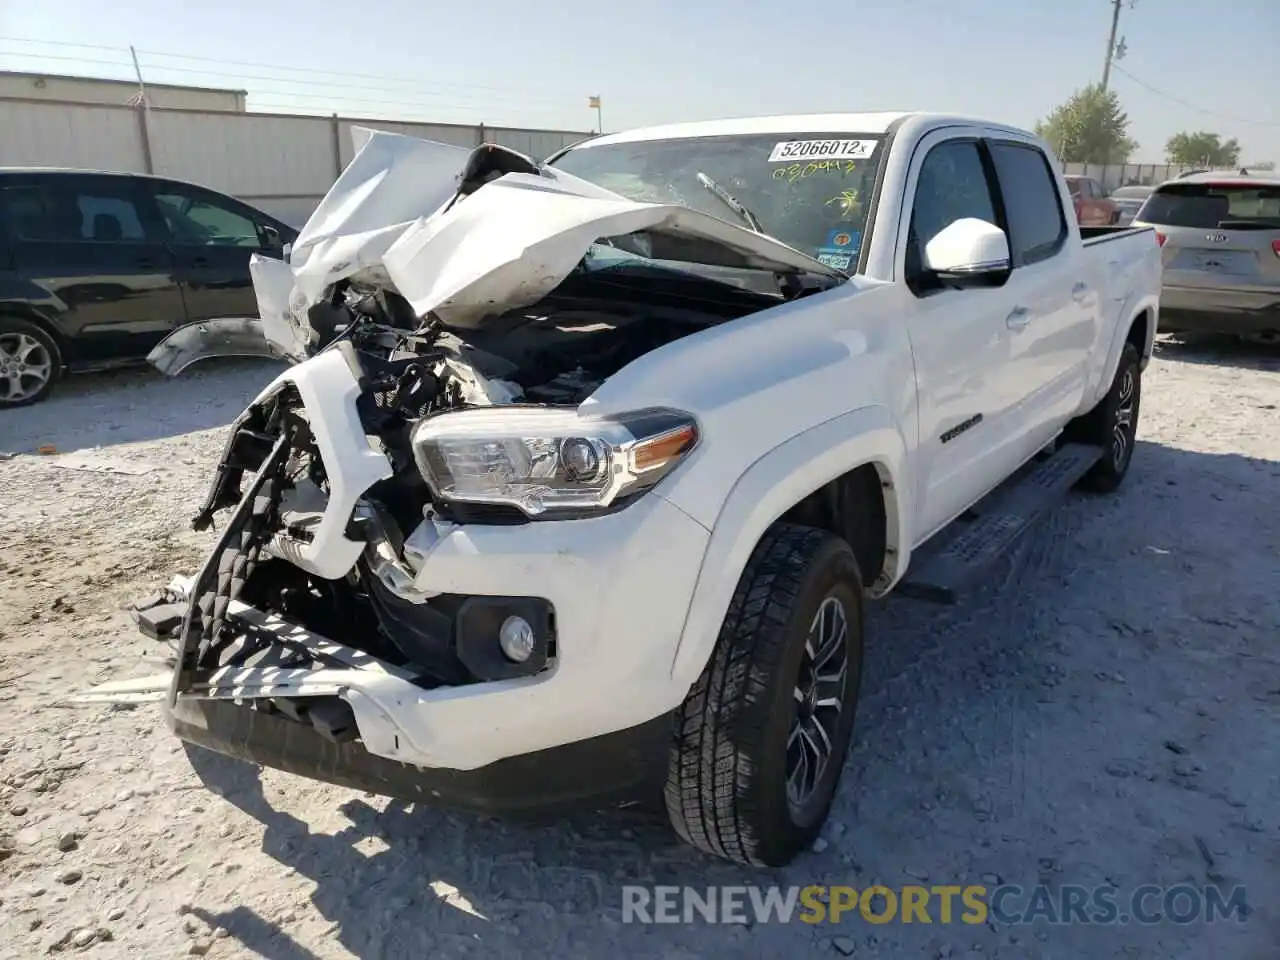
802 171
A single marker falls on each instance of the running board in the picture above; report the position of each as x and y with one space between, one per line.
959 562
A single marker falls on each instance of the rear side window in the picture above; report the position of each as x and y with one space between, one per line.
1032 204
1211 206
69 213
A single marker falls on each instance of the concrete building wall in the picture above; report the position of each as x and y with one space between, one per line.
70 135
42 86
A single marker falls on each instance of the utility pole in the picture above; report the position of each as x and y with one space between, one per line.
1111 42
142 87
143 104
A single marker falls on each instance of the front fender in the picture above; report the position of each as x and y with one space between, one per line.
772 485
206 339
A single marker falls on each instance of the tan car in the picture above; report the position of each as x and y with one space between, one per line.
1093 207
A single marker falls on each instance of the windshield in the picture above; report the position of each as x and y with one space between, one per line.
1209 205
1130 193
809 190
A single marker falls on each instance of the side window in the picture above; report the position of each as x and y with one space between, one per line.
952 186
1037 226
197 220
71 212
27 213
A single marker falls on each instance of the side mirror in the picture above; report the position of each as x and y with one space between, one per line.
968 251
271 237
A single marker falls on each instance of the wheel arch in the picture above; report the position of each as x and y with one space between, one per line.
1140 330
801 478
17 311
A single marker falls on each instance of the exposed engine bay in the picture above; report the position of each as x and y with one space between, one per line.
551 355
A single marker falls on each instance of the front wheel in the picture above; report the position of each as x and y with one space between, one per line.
760 741
30 363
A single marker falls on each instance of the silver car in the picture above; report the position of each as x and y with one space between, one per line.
1129 200
1221 238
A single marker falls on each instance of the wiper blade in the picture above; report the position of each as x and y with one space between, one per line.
731 202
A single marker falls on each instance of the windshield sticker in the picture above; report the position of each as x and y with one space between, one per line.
802 171
843 237
840 248
789 150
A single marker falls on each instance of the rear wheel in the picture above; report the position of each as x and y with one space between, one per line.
30 363
760 741
1113 425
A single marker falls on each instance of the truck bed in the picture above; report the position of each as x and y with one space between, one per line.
1095 235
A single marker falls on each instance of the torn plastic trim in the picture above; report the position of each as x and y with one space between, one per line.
206 339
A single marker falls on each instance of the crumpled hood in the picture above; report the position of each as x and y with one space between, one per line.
409 212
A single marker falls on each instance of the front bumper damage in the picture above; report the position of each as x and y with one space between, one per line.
295 710
595 723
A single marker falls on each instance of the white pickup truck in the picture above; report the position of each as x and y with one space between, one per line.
585 470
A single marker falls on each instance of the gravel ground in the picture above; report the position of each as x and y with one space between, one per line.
1104 713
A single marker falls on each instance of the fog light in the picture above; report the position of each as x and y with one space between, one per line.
516 638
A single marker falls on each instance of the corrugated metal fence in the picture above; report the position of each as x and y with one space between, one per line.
1114 175
280 163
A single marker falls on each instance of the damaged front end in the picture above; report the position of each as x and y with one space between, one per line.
449 316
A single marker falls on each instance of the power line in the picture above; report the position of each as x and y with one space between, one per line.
344 78
266 66
1191 106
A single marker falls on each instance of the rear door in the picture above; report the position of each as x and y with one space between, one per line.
94 245
1055 311
1220 238
211 237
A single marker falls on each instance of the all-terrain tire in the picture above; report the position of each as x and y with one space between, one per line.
22 334
727 785
1112 425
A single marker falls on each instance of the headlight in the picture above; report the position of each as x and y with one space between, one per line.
546 461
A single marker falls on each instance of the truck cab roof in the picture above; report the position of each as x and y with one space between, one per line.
782 124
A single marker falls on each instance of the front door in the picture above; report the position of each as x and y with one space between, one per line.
958 338
212 237
92 243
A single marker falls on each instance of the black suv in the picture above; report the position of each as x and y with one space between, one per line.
96 268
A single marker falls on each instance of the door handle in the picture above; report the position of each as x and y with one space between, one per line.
1079 292
146 263
1018 318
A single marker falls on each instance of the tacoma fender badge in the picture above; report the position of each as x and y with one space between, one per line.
960 428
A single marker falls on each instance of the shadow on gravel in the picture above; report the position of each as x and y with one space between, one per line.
983 735
135 405
1219 350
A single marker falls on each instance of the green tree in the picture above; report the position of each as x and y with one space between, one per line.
1089 128
1202 148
